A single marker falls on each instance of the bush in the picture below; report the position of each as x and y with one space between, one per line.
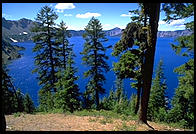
161 115
183 123
18 114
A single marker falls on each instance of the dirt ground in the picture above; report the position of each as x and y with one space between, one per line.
62 122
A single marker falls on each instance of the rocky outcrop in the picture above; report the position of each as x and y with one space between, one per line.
10 52
114 32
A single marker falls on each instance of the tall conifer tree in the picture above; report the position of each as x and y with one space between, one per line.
10 98
158 98
144 35
28 104
62 36
95 58
68 97
46 58
183 101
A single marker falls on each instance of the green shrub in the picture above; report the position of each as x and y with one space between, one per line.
18 114
160 115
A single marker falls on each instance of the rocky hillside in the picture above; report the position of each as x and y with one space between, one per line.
21 31
114 32
17 31
10 52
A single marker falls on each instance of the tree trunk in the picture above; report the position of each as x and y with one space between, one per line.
51 60
64 56
96 81
153 12
138 96
3 122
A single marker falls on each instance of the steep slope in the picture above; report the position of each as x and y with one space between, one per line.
17 30
10 52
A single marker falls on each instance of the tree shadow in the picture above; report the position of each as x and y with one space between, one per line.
150 127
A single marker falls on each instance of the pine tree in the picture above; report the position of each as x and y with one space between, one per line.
144 35
10 94
62 36
119 88
95 58
20 102
28 104
183 101
122 106
8 102
46 59
88 102
153 11
130 63
108 103
67 97
158 98
132 104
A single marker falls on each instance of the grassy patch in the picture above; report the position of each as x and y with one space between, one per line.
93 120
105 113
124 127
175 126
18 114
106 120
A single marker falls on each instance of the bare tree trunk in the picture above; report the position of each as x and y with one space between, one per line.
153 10
138 96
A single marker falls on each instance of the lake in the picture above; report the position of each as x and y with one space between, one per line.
20 69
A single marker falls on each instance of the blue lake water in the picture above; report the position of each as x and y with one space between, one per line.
21 69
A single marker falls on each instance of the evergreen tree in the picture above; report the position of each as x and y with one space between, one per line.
119 88
144 35
130 64
20 102
28 104
158 98
9 93
183 101
46 59
94 57
46 100
122 106
152 10
88 102
62 36
117 100
132 104
67 97
108 103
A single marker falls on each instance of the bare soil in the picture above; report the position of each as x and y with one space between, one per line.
62 122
